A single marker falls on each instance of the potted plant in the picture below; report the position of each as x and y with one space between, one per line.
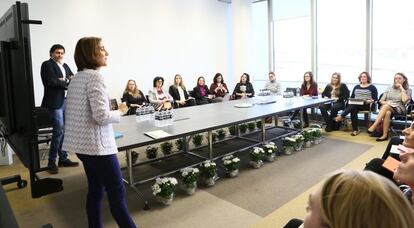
197 140
317 135
270 150
288 145
232 165
166 148
151 152
179 143
233 130
256 157
189 177
134 156
299 141
251 126
308 137
221 134
259 124
163 189
243 128
208 171
214 136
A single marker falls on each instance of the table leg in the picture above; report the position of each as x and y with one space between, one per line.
263 129
129 167
210 144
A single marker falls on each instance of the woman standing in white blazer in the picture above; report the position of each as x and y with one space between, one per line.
89 133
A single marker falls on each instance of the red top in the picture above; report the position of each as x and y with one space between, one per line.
312 91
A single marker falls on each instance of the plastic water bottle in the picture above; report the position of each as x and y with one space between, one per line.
138 115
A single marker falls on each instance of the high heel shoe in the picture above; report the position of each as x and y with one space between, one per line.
381 139
369 132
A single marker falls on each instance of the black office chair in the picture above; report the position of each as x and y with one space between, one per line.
397 120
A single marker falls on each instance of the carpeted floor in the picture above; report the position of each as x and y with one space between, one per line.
237 202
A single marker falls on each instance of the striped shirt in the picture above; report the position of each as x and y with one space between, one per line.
365 93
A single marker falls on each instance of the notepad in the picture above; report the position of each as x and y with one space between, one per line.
157 134
118 135
391 164
394 149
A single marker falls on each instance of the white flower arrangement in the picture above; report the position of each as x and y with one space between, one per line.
164 187
289 142
208 169
189 176
270 148
231 162
299 138
256 154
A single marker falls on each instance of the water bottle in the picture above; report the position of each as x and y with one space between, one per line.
157 119
138 115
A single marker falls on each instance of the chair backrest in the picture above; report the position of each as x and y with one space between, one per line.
114 104
293 90
42 118
191 93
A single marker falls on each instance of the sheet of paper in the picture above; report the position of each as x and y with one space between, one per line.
394 149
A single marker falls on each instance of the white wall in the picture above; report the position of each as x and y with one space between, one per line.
145 38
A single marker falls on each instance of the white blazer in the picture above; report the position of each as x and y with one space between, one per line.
88 128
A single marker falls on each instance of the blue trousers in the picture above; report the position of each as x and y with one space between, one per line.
104 174
57 117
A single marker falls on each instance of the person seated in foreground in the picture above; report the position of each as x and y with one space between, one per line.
201 92
244 88
364 91
180 94
133 97
357 199
219 89
272 84
158 96
340 93
392 102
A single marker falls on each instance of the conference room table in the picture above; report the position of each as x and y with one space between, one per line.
205 118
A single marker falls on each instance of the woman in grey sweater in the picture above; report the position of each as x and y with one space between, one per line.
392 102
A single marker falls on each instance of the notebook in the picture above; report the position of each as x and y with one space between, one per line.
157 134
355 101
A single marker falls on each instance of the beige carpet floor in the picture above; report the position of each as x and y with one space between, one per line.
277 192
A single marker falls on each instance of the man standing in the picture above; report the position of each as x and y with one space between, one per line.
56 76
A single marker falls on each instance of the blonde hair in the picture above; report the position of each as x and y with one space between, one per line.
363 199
181 81
135 93
337 87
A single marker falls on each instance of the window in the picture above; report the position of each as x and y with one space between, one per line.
341 32
292 38
260 45
393 36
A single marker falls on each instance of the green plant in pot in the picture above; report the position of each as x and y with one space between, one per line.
166 148
243 128
151 152
221 134
197 140
251 126
233 130
179 143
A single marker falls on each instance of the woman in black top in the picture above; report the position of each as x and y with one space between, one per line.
244 88
340 93
133 97
179 93
201 92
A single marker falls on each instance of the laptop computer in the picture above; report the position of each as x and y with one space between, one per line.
355 101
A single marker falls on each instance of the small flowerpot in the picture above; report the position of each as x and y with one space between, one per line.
256 164
308 144
270 157
165 200
298 147
233 173
189 189
209 181
289 150
317 141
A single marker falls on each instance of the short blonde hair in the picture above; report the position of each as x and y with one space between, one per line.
364 199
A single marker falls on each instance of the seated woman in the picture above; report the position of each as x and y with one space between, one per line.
272 84
218 88
309 88
358 199
340 93
158 96
133 97
365 91
392 102
179 93
201 92
244 88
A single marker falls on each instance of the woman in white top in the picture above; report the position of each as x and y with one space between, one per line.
180 94
158 96
89 133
